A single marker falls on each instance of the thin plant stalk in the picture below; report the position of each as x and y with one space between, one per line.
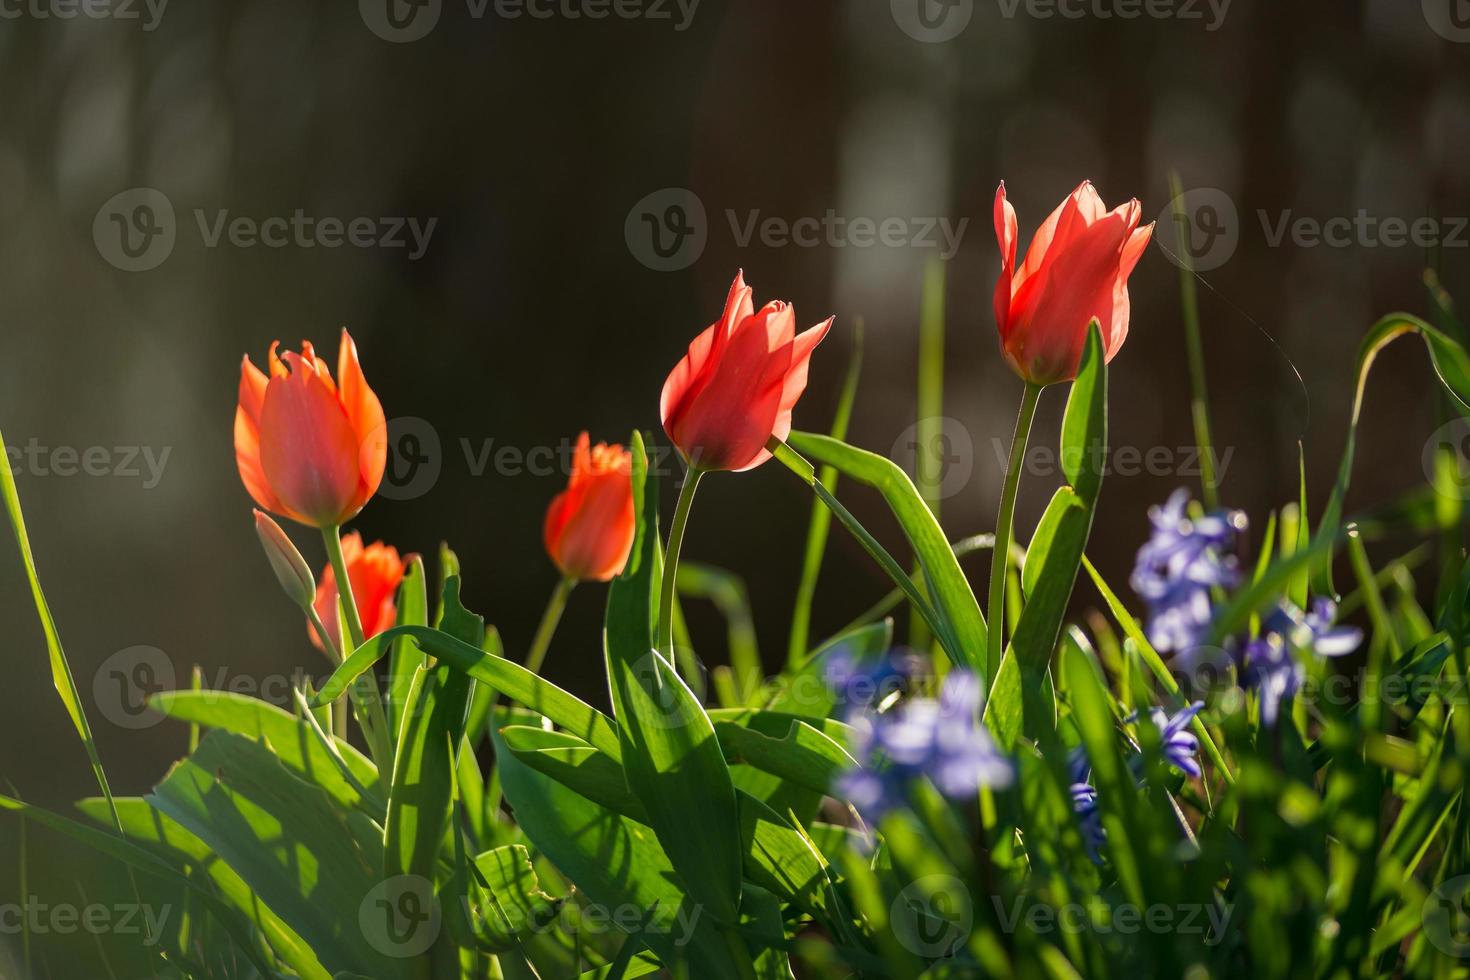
555 606
364 693
671 562
1199 403
1000 554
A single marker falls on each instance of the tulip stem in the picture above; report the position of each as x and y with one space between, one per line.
339 713
364 691
549 620
671 563
1000 555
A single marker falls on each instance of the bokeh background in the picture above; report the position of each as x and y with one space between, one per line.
540 154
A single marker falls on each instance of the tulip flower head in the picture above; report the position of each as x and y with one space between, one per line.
307 448
590 525
738 383
1076 270
375 573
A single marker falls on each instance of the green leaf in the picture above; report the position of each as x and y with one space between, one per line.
1451 367
961 625
505 676
143 823
413 610
619 865
420 802
290 738
670 754
302 855
775 855
61 675
803 755
140 859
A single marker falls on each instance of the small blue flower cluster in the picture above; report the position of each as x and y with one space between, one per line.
940 739
1176 570
1180 748
1183 560
1273 667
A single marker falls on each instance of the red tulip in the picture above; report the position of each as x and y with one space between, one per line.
590 525
306 448
1076 269
374 573
736 387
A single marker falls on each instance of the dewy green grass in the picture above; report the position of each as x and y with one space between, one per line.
1241 764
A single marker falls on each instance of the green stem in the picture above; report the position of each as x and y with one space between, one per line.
671 563
1199 406
364 692
339 713
1003 520
549 620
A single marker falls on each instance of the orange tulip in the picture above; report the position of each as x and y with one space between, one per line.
1076 269
306 448
736 387
590 525
374 573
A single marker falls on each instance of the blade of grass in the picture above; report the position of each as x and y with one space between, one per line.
61 675
1199 404
929 414
821 519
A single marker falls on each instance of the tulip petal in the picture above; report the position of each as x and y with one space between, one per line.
247 438
365 416
795 384
1005 236
691 373
1132 251
590 526
308 451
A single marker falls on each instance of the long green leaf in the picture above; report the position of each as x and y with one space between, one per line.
961 625
61 675
670 754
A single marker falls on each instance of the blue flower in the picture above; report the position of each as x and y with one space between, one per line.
941 739
869 683
1177 567
1084 804
1181 748
1273 666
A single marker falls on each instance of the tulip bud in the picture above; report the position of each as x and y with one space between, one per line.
291 569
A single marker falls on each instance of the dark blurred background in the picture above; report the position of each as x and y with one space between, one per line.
547 151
